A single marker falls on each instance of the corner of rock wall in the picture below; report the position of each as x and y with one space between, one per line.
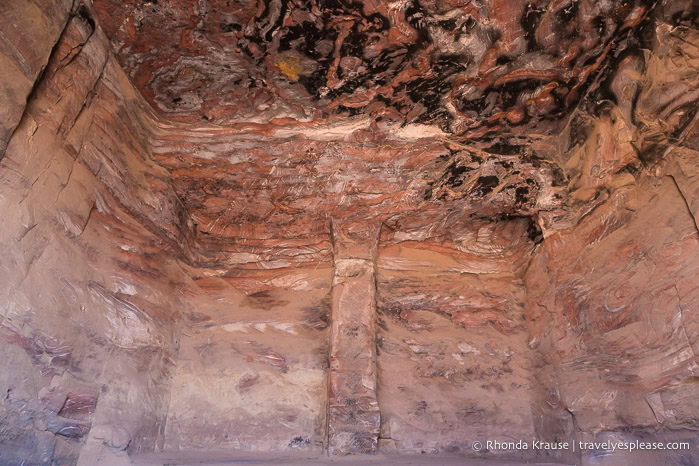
89 289
612 287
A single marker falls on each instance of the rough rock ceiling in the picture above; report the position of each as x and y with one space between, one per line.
432 118
466 67
269 202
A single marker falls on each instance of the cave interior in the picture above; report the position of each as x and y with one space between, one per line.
362 231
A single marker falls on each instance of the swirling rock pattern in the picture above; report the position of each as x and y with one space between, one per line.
347 227
467 67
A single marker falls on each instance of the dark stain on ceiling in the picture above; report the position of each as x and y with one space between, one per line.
469 67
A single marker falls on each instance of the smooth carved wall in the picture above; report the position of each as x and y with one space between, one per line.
251 367
454 365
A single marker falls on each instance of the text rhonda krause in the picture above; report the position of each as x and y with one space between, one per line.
604 446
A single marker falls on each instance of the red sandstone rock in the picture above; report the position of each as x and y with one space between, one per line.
347 227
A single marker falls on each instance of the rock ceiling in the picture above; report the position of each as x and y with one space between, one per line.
429 117
468 68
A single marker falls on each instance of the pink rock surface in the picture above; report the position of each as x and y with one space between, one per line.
301 228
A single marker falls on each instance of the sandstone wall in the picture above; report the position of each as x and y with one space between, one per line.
612 290
252 362
454 366
89 291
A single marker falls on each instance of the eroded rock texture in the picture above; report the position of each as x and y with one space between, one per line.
471 68
88 287
452 350
347 228
610 317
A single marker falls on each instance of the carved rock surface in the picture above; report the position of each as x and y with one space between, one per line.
465 67
299 228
